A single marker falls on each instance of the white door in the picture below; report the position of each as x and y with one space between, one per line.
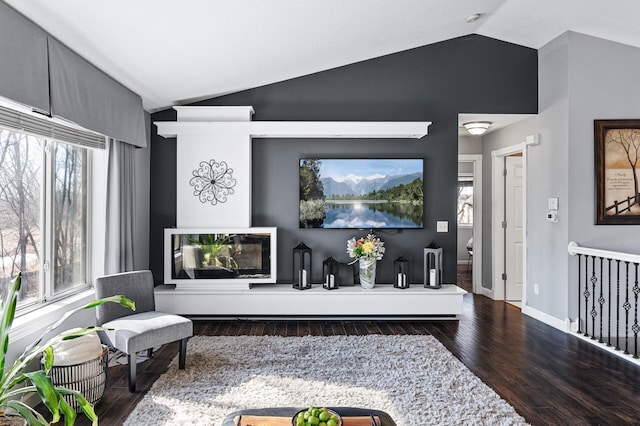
514 228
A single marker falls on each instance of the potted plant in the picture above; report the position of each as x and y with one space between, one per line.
218 251
16 381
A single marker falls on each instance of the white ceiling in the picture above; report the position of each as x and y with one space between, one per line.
172 52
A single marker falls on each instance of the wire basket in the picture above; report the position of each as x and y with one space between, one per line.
89 378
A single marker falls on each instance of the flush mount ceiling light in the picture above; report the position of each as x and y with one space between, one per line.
477 128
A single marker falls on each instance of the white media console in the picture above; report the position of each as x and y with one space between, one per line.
280 300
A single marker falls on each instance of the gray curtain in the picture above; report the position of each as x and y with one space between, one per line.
120 207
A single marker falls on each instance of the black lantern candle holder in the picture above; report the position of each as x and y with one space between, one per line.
330 273
432 267
401 273
302 267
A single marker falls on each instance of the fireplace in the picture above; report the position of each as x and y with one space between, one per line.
211 257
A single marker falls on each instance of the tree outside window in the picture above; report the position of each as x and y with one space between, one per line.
43 224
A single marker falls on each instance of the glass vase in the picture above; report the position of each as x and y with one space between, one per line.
367 273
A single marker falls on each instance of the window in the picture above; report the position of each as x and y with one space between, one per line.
465 200
43 216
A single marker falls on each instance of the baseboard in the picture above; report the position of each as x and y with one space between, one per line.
487 292
609 349
554 322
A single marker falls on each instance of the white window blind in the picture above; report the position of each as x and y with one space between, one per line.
49 129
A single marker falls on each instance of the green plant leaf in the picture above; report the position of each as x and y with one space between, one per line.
48 358
8 314
122 300
48 393
86 406
68 412
32 417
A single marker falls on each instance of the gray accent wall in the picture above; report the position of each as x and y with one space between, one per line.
431 83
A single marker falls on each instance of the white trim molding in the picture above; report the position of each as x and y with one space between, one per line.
197 120
497 210
546 318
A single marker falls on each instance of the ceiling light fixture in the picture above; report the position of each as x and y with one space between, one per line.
473 18
477 128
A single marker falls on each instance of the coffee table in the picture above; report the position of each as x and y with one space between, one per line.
384 418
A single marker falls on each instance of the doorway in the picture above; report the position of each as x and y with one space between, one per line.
509 224
470 220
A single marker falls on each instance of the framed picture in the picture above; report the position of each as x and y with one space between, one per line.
617 154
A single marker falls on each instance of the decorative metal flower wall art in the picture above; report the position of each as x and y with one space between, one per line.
212 182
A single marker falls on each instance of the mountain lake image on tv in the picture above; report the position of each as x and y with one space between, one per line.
361 193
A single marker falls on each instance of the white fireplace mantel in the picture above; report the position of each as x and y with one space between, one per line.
199 120
301 129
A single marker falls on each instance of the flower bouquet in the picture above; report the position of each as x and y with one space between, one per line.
367 251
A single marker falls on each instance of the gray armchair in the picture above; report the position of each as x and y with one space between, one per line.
143 329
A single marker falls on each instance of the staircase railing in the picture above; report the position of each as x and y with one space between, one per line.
608 297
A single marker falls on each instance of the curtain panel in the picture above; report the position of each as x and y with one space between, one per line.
120 208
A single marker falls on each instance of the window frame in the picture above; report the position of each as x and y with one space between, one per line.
46 282
465 177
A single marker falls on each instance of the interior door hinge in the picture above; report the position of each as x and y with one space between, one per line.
504 172
504 224
504 277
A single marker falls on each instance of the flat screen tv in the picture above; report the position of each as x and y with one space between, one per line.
375 193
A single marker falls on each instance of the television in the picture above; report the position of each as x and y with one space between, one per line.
378 193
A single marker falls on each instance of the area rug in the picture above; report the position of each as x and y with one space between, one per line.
415 379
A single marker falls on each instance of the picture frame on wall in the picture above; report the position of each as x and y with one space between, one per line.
617 163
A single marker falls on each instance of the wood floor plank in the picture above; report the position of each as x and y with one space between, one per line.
549 377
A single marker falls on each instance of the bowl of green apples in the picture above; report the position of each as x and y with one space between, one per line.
314 416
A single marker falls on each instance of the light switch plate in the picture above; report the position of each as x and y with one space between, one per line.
442 226
552 203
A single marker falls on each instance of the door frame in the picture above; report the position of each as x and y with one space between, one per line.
497 216
476 271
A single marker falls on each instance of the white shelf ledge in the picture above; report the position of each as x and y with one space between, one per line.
281 300
299 129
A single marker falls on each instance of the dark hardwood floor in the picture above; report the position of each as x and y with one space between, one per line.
551 378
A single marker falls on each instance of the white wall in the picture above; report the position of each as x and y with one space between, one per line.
469 145
547 176
464 233
603 84
581 79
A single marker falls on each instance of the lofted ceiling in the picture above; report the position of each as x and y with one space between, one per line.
172 52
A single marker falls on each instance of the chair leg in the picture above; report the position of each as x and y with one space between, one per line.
131 359
183 354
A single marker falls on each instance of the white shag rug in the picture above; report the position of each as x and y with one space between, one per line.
415 379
